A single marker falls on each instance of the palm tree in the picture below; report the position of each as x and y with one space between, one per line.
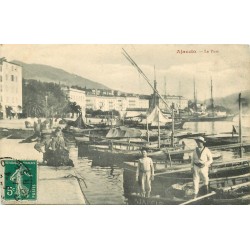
34 108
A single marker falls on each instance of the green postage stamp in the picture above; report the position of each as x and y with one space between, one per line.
20 180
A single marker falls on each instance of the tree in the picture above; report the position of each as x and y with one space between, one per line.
35 103
34 108
73 108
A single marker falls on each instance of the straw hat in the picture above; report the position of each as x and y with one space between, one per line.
201 139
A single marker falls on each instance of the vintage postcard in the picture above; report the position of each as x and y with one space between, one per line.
125 124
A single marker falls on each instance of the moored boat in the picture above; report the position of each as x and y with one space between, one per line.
228 190
164 170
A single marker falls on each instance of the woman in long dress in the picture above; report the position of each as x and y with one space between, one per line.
18 177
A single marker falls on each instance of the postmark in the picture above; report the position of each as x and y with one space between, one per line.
20 180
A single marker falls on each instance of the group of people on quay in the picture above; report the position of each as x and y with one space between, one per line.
51 143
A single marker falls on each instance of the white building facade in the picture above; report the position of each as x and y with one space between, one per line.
119 103
10 88
179 102
78 96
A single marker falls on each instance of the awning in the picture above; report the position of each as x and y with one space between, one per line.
157 116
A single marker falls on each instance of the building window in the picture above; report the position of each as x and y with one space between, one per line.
1 79
1 88
1 68
12 78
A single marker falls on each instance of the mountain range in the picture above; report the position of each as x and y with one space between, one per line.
47 73
231 102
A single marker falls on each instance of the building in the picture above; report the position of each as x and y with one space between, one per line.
78 96
107 101
10 89
137 103
179 102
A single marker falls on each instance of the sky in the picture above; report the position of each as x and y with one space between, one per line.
227 65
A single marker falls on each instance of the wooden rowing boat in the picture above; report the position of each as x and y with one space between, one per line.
238 194
228 190
136 199
104 155
164 170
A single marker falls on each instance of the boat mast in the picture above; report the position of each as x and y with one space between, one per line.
159 130
179 104
195 101
155 97
172 134
165 86
240 124
128 57
165 89
147 129
212 98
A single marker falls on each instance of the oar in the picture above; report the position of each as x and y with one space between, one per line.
199 198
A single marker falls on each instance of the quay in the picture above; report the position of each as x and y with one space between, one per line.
54 185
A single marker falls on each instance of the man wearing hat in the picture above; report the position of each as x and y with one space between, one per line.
202 159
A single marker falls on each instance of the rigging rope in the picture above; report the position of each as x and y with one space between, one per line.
128 57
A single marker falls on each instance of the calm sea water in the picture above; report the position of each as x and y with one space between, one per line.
209 127
109 185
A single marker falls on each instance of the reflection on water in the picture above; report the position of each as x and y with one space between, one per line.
113 184
209 127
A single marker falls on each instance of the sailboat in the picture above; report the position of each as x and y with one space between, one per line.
209 116
156 117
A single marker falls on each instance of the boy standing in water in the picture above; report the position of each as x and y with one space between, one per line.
145 173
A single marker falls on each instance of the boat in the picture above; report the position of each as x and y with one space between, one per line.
208 117
245 124
166 170
156 119
103 155
227 190
137 199
165 190
233 195
78 128
181 155
225 139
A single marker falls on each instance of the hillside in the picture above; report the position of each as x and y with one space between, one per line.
47 73
231 101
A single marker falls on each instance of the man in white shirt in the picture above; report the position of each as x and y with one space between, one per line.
145 173
202 159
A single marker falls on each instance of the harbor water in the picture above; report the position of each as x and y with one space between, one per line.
111 184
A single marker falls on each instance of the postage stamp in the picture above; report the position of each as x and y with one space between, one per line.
20 180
